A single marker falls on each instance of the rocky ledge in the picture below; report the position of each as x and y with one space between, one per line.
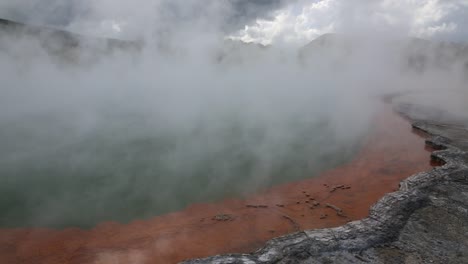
423 222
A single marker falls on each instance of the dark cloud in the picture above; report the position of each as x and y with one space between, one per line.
244 11
45 12
63 13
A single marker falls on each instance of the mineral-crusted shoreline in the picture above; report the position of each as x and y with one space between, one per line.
423 222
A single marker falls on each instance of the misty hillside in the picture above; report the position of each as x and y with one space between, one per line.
60 44
234 51
71 47
412 53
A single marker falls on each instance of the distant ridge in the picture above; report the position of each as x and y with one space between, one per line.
65 45
415 53
8 24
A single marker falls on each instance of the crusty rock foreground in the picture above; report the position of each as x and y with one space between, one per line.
426 221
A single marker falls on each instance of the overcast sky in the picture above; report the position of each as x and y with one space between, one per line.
305 20
263 21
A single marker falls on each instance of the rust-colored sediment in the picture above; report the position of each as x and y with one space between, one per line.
391 153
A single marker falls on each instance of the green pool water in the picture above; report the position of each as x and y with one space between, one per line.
121 167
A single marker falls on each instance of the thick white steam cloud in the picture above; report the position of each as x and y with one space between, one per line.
186 115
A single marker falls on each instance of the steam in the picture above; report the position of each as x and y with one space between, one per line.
187 116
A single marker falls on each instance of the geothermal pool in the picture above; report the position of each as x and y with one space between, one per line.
59 170
390 153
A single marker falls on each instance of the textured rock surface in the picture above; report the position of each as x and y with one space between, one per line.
423 222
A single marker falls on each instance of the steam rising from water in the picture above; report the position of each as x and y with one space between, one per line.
188 118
